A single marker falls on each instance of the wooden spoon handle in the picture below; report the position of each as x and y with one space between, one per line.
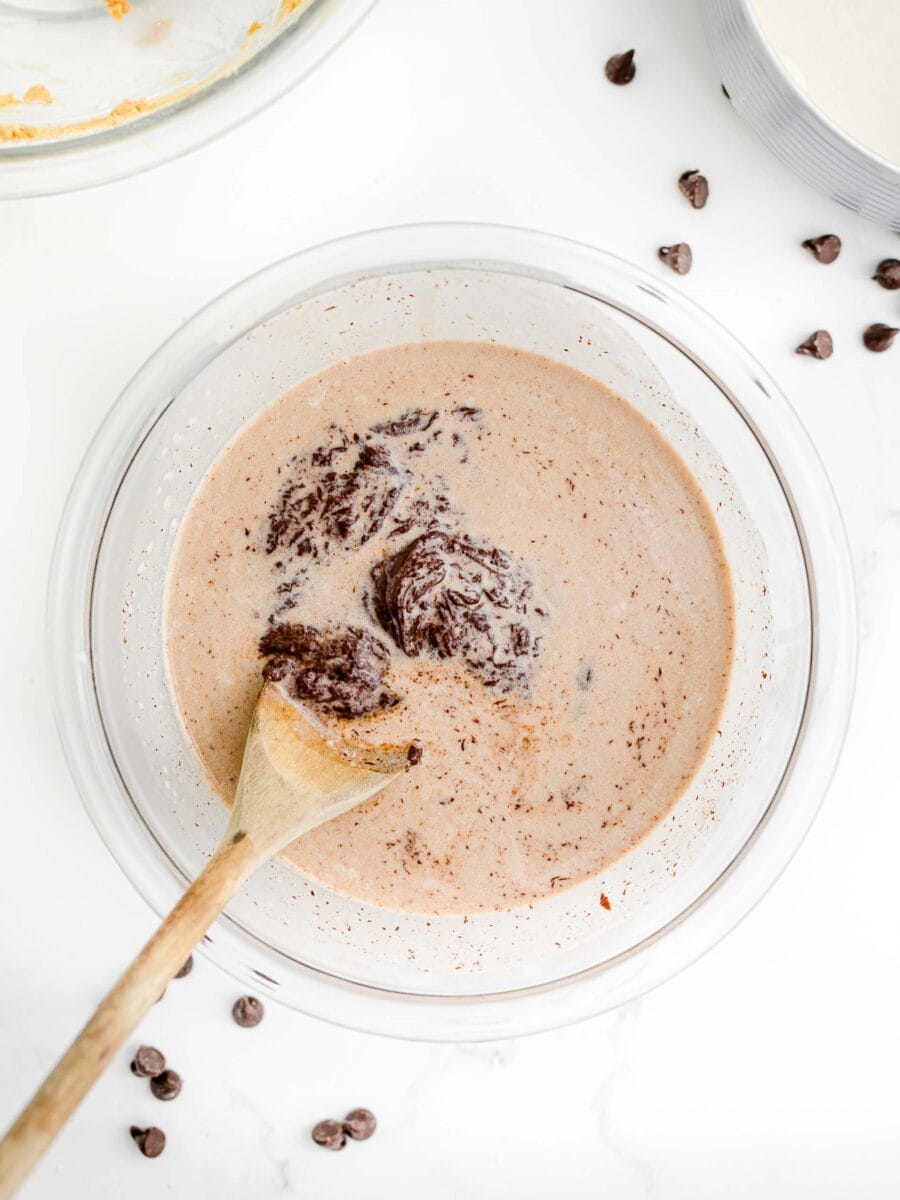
142 984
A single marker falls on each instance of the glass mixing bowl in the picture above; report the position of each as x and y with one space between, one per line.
756 793
85 98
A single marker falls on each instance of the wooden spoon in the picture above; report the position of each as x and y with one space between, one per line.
294 776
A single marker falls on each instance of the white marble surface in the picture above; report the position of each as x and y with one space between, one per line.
768 1069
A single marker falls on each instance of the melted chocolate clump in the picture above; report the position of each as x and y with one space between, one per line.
454 597
321 505
341 672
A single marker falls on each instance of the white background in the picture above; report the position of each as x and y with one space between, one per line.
771 1068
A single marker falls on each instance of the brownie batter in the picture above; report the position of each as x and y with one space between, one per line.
481 549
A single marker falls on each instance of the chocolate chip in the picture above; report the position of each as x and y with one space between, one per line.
824 249
887 273
186 968
147 1062
359 1124
329 1134
247 1012
817 345
620 68
166 1085
694 187
678 257
415 753
879 337
151 1142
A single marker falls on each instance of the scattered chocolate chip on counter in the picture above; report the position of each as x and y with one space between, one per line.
678 257
694 187
359 1124
329 1134
186 969
620 69
151 1142
247 1012
817 345
824 249
147 1062
415 753
879 337
166 1085
887 273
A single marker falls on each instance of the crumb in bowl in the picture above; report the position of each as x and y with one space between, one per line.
38 94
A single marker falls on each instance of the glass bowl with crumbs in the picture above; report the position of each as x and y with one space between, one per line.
92 91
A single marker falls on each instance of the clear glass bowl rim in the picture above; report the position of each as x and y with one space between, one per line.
713 350
47 168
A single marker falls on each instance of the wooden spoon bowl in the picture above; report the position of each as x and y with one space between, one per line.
296 774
